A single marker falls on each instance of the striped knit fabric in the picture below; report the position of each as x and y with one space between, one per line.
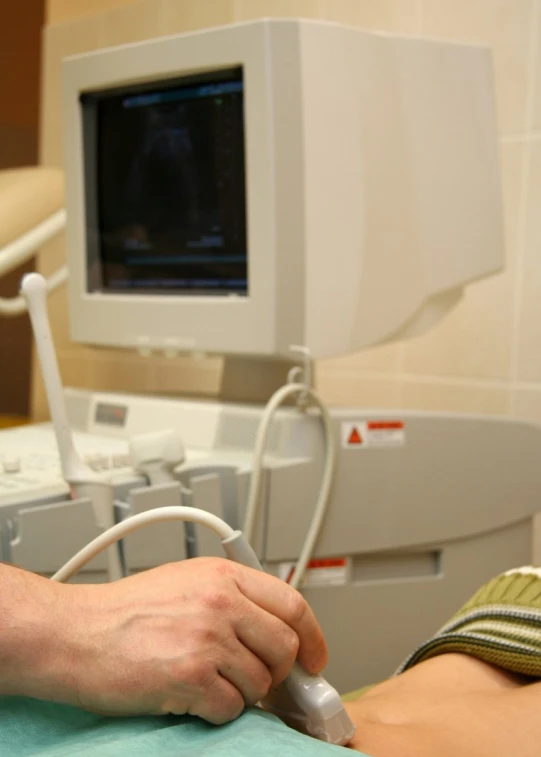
500 625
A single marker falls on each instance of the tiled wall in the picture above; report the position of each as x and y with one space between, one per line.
486 356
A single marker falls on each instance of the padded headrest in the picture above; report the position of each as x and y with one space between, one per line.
28 196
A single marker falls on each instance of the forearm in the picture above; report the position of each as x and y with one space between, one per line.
34 619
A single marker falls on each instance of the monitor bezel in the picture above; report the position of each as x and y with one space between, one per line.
200 323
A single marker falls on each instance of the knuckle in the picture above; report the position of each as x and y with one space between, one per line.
210 566
223 567
195 673
216 599
262 686
205 635
290 643
228 705
296 608
233 704
286 650
215 564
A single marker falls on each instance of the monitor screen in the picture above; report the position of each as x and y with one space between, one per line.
165 187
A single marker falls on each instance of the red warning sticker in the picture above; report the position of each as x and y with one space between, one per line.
385 425
362 434
327 571
353 434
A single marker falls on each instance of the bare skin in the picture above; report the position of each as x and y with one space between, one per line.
208 637
450 706
205 637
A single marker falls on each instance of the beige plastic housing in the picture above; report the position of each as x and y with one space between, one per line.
373 188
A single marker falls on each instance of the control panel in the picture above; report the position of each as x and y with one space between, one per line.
30 465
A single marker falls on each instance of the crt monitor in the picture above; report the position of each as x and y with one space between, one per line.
242 189
165 206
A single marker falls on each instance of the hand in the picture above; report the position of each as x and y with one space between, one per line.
206 637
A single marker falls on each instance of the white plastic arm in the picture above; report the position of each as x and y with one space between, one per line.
83 481
22 249
11 307
33 290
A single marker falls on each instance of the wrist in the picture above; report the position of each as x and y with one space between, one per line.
36 620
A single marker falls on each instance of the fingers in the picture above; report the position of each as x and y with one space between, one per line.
283 602
247 673
218 703
270 639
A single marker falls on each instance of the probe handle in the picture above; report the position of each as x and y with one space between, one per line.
305 702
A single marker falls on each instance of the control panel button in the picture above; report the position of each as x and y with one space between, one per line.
12 464
96 461
121 461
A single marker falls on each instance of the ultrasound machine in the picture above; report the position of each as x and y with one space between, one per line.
243 191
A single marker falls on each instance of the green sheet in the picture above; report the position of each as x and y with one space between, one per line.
29 728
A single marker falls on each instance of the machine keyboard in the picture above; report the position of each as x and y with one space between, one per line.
30 465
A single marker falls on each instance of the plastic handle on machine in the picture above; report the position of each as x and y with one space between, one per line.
157 454
83 481
34 291
305 702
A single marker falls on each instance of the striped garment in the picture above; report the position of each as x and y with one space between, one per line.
501 625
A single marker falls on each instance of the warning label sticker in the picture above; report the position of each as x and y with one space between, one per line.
353 433
328 571
373 433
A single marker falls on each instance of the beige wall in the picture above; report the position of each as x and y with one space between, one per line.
58 11
486 356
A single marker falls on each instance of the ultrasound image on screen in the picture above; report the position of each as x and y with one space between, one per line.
165 187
